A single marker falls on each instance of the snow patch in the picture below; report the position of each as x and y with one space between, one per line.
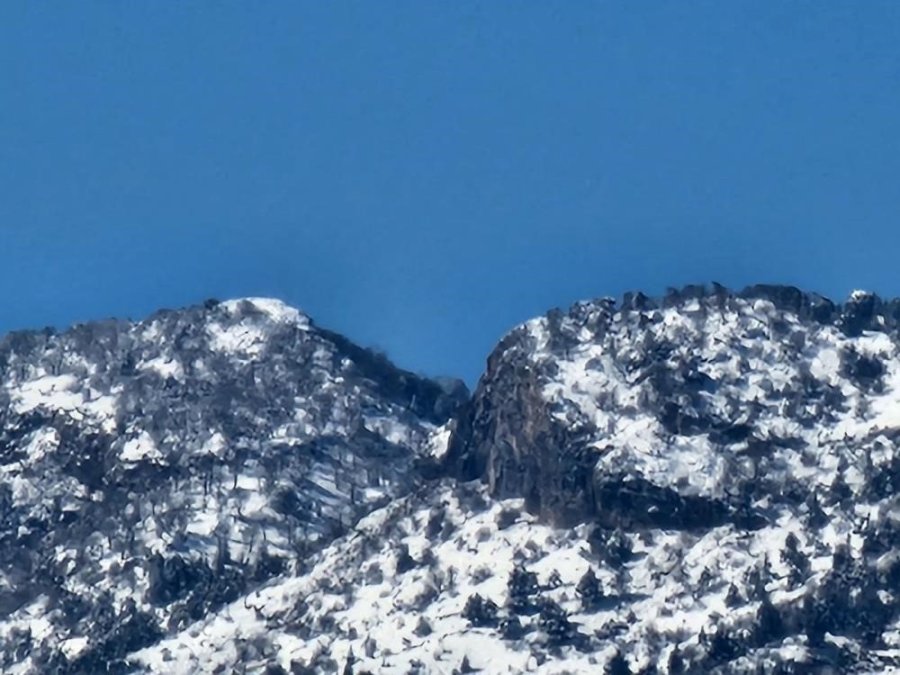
439 441
276 310
164 367
142 448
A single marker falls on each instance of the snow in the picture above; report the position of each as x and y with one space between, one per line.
276 310
244 339
216 445
73 647
165 367
592 382
42 443
387 610
51 392
826 365
248 336
204 524
389 428
439 441
139 449
66 394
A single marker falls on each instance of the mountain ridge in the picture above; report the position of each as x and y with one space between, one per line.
164 479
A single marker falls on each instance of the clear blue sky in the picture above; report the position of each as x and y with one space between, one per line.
423 175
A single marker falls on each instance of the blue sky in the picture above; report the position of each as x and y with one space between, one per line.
423 175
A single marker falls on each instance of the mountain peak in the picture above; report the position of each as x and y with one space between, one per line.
274 309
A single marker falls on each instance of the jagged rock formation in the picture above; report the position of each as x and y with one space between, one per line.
704 482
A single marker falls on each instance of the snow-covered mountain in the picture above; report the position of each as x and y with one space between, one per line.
703 482
152 472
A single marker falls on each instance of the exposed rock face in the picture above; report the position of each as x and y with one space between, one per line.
151 472
507 438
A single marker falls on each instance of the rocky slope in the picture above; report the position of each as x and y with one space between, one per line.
152 472
703 482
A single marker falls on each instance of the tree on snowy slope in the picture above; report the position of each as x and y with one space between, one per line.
797 562
523 590
589 590
480 612
554 621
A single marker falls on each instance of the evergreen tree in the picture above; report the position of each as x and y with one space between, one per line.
523 589
815 515
676 664
733 598
405 561
720 646
436 518
757 580
480 612
555 580
511 628
466 667
617 665
769 624
840 491
554 621
589 590
348 665
797 562
423 628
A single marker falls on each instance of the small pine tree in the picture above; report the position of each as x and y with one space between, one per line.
676 664
405 561
769 624
522 589
436 519
841 561
840 491
617 665
555 580
466 667
815 515
757 580
348 665
720 646
423 628
554 621
511 628
612 546
480 612
589 590
733 597
797 562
